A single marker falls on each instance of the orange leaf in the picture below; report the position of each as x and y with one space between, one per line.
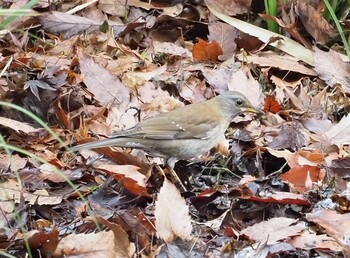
300 178
316 156
280 197
203 51
271 104
132 186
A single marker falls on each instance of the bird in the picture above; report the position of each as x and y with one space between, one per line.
183 133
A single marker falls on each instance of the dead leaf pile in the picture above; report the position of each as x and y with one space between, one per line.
80 71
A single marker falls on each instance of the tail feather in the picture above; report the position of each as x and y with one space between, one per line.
117 142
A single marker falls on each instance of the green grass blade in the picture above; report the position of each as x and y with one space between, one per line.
339 28
10 19
36 119
271 9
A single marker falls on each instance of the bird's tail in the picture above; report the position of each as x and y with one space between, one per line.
117 142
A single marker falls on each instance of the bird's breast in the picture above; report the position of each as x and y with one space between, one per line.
188 148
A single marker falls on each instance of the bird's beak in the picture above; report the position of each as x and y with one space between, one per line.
253 110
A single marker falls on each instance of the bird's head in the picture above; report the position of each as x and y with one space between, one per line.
235 103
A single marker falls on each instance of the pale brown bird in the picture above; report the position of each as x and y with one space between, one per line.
183 133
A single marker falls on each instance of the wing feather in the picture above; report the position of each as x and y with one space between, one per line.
169 127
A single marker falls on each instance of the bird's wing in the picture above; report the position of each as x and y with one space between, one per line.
165 127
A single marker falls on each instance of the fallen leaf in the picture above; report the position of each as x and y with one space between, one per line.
301 178
274 230
106 87
280 197
233 7
331 68
284 43
271 104
113 7
278 60
112 243
172 214
336 225
225 35
129 171
11 191
314 22
311 241
70 25
290 135
339 134
171 48
203 51
19 126
44 239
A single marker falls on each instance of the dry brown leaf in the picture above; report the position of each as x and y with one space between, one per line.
91 11
20 43
65 47
19 126
314 22
279 197
262 250
271 104
195 90
339 134
299 158
232 7
113 243
290 135
13 162
309 241
171 48
340 167
278 60
118 120
21 21
91 245
113 7
70 25
41 60
42 197
292 97
139 3
162 104
138 15
281 85
336 225
332 69
274 230
172 11
126 170
106 87
290 26
225 35
317 126
11 191
44 239
172 214
135 80
218 78
203 51
303 178
48 172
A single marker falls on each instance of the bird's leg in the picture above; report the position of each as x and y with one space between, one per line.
170 163
177 179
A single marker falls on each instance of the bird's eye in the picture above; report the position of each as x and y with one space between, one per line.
239 102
